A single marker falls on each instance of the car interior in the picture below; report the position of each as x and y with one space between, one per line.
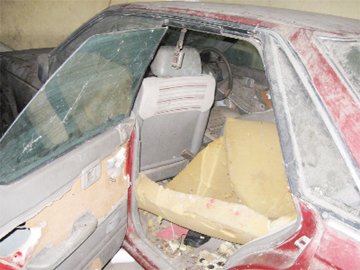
236 95
196 119
208 176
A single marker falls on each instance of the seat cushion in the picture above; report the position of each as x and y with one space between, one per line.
256 168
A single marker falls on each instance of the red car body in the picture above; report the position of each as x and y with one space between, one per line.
328 249
323 237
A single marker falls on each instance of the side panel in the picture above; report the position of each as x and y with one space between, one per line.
105 194
81 223
37 189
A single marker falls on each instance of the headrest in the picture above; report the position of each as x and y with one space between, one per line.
161 66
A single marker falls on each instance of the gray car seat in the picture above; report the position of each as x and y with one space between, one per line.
172 109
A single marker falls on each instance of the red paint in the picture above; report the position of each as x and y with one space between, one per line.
338 251
131 237
173 232
16 259
287 255
4 265
340 103
131 248
327 249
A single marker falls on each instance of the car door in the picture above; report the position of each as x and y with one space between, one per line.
63 171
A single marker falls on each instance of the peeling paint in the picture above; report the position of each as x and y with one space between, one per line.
115 165
19 256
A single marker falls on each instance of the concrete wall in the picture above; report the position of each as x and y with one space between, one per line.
26 24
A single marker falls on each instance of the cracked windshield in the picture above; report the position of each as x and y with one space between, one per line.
93 90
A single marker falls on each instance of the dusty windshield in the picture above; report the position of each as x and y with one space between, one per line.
93 90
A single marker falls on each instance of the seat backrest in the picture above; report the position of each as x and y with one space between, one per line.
173 112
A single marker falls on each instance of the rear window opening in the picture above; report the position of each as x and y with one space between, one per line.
203 192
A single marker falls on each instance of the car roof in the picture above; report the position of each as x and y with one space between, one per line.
276 18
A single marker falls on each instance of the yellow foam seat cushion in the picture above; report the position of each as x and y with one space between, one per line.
216 218
256 169
206 175
235 189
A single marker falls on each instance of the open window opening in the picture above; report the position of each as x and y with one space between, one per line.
211 172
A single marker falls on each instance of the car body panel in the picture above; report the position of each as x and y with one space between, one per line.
313 241
309 163
305 249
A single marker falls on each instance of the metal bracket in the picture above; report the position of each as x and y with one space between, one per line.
302 242
179 54
187 155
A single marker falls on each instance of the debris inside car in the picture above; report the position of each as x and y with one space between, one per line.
201 137
214 197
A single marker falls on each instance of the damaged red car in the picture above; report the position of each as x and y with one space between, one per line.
195 135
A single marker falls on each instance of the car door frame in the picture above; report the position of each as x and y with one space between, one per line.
97 148
38 191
